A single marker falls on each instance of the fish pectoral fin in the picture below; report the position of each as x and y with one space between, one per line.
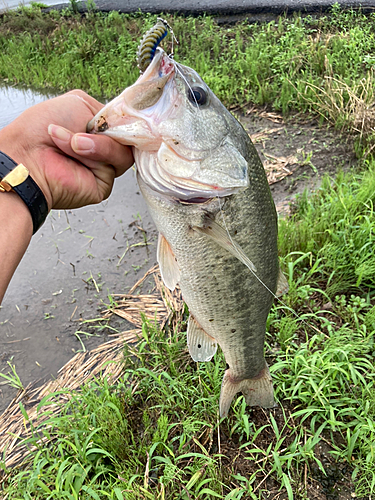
217 233
282 284
202 346
258 391
169 270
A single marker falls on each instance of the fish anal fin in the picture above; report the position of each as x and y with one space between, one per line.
202 346
257 391
217 233
282 284
169 269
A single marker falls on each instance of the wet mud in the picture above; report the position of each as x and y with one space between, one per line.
79 257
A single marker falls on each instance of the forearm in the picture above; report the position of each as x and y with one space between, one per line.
16 229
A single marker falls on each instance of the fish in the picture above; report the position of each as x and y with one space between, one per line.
208 195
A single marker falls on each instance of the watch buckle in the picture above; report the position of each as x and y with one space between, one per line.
16 177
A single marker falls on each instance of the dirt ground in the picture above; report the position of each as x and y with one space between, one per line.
296 153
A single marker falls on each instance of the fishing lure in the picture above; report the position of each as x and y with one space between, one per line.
150 43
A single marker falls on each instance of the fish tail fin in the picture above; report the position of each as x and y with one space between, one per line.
258 391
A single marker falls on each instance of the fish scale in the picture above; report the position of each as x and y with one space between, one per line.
208 195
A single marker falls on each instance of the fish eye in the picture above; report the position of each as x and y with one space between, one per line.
197 95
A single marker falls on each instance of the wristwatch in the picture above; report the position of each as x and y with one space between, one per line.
16 177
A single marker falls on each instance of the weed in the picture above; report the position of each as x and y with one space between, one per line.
12 378
320 65
79 333
157 429
337 226
91 6
74 6
38 5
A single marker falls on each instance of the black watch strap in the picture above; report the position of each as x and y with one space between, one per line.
29 191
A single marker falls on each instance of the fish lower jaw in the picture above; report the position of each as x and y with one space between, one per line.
258 391
194 201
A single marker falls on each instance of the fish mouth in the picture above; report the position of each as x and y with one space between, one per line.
137 101
151 115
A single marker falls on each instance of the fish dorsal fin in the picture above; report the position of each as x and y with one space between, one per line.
169 269
202 346
217 233
282 284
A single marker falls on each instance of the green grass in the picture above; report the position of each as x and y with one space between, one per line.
157 434
337 225
276 64
323 66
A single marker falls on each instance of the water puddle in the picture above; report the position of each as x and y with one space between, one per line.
71 265
15 100
13 4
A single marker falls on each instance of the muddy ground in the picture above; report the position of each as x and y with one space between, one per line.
79 257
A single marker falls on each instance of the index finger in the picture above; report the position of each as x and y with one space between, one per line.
94 105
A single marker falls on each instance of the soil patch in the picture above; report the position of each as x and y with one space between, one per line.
296 153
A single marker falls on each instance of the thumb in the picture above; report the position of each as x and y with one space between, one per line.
103 149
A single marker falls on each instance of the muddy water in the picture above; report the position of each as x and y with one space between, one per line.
72 263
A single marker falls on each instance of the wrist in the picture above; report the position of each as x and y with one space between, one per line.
11 145
14 215
25 187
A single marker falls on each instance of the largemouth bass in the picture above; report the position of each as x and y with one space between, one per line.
208 195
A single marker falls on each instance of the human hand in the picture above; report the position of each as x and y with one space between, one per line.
72 168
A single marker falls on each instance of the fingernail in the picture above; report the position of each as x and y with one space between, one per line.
82 144
59 133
